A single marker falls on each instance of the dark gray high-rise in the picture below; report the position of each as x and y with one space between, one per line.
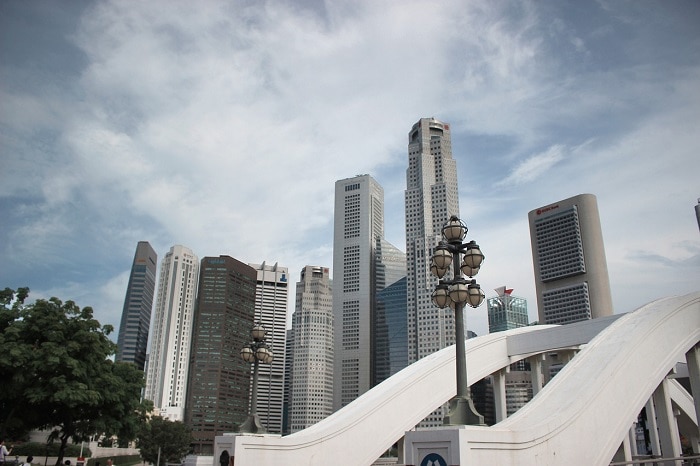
138 303
218 388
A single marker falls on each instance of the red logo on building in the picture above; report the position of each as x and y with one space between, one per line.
547 209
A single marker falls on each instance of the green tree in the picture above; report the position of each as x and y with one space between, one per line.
14 422
168 440
58 375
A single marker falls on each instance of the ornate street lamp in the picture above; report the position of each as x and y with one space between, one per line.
455 293
255 353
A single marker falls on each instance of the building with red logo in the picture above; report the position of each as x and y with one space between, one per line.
571 272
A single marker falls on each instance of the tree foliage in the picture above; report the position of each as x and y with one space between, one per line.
57 372
173 438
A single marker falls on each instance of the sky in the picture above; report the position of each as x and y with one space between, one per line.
224 125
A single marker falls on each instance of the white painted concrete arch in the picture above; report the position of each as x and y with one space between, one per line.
592 402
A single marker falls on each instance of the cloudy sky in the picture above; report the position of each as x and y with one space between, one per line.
223 126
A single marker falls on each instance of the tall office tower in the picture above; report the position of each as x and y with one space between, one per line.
506 311
697 212
218 387
390 335
138 304
312 353
287 401
168 364
358 222
271 295
571 273
431 197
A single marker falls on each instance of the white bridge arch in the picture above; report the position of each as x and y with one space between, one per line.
623 362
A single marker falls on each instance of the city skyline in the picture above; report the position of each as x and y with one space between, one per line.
124 123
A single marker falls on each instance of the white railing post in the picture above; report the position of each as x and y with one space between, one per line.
536 373
667 424
499 395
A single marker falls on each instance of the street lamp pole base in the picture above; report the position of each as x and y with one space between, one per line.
252 425
462 412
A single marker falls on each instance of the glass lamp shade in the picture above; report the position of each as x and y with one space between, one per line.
459 292
475 295
438 272
264 355
473 257
469 271
441 297
442 257
454 229
247 354
258 332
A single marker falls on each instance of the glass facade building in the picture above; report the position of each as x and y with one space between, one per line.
132 341
506 312
391 332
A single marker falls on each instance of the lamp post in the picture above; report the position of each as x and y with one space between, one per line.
255 353
456 293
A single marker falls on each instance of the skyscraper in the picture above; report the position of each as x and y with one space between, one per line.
358 222
138 304
218 386
506 311
312 353
431 197
287 401
571 272
390 334
271 295
168 364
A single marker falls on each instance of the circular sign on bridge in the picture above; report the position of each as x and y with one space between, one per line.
433 459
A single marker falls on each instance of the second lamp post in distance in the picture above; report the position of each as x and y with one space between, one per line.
256 352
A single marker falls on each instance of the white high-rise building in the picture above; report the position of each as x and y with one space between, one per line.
358 221
431 197
168 364
568 255
271 295
312 353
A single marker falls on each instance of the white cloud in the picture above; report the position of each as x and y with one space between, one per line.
534 166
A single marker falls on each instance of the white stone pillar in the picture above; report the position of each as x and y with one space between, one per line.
692 358
536 373
668 426
627 450
499 394
653 428
632 439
